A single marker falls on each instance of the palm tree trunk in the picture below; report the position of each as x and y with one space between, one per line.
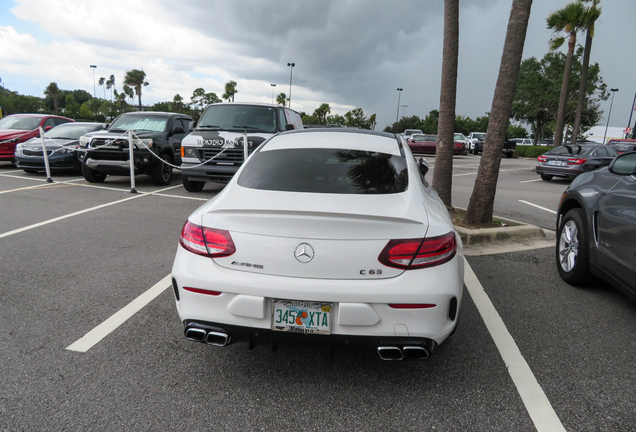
583 86
482 199
560 123
443 174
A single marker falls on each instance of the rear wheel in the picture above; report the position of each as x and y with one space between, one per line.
192 186
92 176
161 172
573 249
509 155
475 152
546 177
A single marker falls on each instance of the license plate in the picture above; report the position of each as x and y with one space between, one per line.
556 163
301 317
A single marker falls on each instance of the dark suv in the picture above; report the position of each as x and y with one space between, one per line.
156 139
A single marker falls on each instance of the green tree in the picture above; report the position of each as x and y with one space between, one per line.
592 15
177 103
85 111
110 85
136 78
53 91
281 99
570 20
321 113
230 91
102 82
128 91
443 174
356 119
482 199
515 131
72 107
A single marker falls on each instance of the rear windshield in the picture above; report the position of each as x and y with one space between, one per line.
325 171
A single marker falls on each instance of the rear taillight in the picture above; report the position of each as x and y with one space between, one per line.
576 161
542 159
419 253
210 242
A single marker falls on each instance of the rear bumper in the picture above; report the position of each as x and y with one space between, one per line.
558 171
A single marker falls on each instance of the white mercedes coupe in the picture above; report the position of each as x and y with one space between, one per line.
324 236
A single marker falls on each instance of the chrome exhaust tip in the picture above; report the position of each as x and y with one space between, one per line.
415 353
390 353
195 334
217 339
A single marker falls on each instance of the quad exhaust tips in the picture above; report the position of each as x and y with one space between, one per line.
403 353
209 337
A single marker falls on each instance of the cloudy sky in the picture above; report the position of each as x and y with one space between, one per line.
348 53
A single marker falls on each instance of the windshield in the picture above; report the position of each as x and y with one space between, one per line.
239 118
140 122
459 137
23 123
71 131
428 138
325 171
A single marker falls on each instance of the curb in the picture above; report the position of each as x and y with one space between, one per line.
519 232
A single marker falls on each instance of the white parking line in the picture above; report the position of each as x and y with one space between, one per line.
77 213
538 206
536 402
530 181
94 336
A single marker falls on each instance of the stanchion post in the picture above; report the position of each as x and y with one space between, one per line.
131 162
46 158
245 147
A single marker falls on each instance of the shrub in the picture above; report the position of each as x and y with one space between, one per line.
521 150
536 151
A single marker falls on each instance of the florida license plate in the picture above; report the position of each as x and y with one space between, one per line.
301 317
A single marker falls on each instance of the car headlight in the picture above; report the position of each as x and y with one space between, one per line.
143 143
190 152
65 150
10 141
18 149
84 141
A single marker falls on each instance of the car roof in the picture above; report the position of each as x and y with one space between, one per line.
337 138
163 113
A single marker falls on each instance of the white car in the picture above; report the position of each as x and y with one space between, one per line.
327 236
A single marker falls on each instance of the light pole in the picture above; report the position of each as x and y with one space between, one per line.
398 110
291 72
273 85
609 114
93 67
403 108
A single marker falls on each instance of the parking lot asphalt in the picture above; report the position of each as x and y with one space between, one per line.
73 255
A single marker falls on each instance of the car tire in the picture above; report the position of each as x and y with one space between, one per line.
509 155
573 248
161 173
192 186
30 171
546 177
92 176
475 152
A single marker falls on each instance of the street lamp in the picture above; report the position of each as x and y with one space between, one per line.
403 108
609 114
93 67
398 108
291 71
273 85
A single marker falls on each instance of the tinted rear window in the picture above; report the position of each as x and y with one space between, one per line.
325 171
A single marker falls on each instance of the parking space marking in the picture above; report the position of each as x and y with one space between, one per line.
536 402
530 181
183 197
24 188
77 213
94 336
538 206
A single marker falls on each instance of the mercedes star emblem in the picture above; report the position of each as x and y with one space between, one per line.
304 253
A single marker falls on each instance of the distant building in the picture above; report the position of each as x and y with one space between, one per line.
596 133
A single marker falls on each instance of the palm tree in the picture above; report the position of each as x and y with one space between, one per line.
571 19
128 91
281 99
230 91
101 82
593 14
321 113
482 200
54 92
443 174
136 78
111 84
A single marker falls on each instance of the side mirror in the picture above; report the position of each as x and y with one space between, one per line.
289 127
192 126
178 130
423 166
48 128
624 164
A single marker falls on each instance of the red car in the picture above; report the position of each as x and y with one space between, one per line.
17 128
427 144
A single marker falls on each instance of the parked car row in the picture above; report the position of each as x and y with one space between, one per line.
18 128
